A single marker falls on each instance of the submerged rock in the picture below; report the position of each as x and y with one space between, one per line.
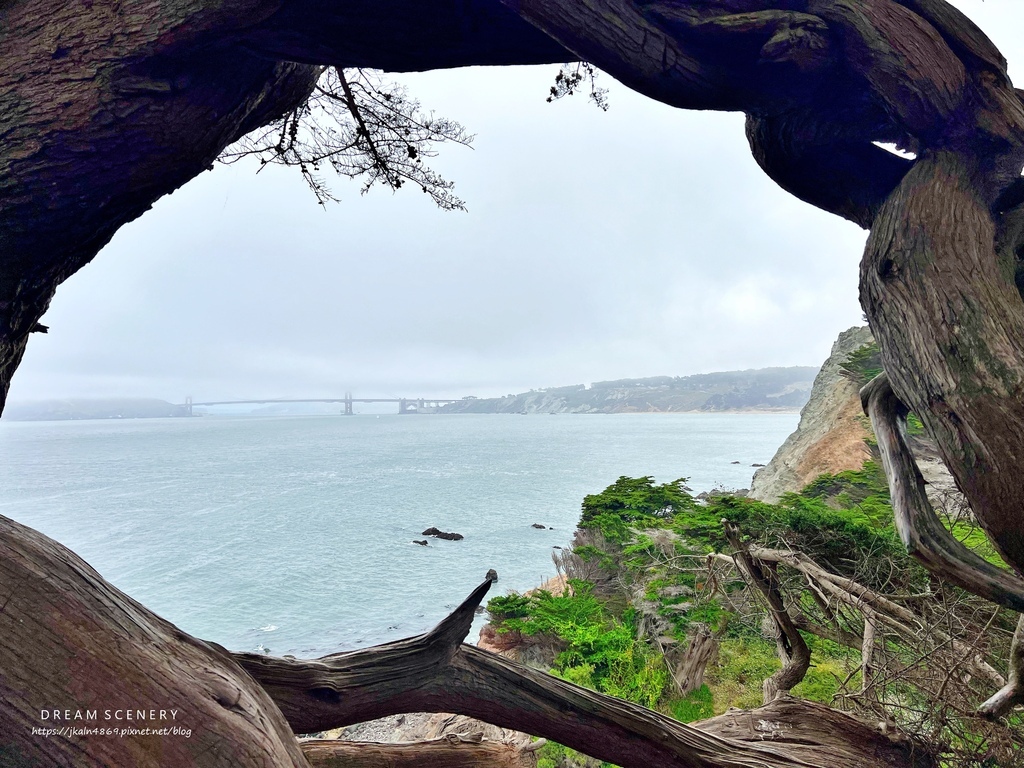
421 543
538 525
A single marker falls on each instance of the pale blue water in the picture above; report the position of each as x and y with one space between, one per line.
295 533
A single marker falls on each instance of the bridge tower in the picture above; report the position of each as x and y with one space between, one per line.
188 405
348 403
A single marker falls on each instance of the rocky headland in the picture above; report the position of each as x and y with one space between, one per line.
765 389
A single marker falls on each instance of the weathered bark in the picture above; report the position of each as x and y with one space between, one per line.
793 650
867 654
688 672
437 753
950 325
1011 694
492 688
919 527
803 727
73 642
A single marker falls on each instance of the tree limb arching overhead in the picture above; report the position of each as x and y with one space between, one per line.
151 98
106 107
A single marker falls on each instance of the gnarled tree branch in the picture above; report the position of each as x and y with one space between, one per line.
1012 694
445 752
433 673
793 650
920 529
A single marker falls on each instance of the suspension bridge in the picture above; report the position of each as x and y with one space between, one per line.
405 404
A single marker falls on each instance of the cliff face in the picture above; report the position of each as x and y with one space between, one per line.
831 433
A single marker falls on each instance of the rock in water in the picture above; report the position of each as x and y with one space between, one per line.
492 575
438 534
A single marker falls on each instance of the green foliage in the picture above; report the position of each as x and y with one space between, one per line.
554 755
601 651
506 607
696 705
844 521
633 502
830 664
591 554
974 538
863 364
743 664
849 488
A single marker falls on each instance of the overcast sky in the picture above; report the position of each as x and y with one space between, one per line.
637 242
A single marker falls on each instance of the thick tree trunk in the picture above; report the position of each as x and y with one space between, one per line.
688 672
75 646
920 529
950 324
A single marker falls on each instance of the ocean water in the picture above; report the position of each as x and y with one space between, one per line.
294 534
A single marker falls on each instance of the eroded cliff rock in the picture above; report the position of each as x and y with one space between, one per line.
832 430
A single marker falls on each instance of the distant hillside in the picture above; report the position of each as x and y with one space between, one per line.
63 410
765 389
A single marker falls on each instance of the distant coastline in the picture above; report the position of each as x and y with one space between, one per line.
87 409
764 390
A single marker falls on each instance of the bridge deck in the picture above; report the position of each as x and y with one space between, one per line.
331 400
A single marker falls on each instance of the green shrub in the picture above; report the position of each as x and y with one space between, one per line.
633 501
696 705
506 607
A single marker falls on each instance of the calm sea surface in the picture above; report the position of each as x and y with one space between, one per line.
295 533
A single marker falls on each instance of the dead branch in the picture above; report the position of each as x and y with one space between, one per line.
867 654
793 651
1012 693
857 596
433 673
919 527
